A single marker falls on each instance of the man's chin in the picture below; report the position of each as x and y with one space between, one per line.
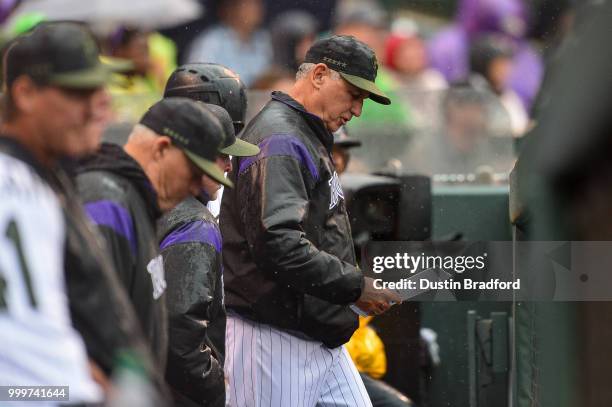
332 128
214 194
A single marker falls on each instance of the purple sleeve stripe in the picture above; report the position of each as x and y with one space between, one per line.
113 215
282 145
195 232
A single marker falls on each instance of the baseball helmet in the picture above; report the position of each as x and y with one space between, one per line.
210 83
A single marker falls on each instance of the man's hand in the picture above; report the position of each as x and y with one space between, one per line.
375 301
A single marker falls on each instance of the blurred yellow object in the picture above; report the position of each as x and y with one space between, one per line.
133 94
163 58
118 65
367 350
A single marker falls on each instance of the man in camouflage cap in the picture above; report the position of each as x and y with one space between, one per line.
289 264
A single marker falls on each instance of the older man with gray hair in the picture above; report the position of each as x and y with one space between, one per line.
125 190
292 283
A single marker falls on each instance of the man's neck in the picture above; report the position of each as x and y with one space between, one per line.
135 151
303 97
27 136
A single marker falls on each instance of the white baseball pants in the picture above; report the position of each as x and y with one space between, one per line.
268 367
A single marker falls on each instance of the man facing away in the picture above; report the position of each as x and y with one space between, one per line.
289 262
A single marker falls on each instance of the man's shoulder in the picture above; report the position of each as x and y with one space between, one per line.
101 184
280 130
18 166
198 230
20 181
188 211
275 118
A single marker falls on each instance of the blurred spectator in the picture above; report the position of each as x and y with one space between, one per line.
406 56
322 11
491 61
237 41
367 21
139 87
132 44
274 78
420 86
449 49
163 58
463 141
292 32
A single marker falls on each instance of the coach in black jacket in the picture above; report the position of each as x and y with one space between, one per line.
126 190
288 254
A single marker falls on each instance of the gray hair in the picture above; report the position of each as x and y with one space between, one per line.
141 133
306 67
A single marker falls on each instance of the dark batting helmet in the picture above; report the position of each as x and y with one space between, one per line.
210 83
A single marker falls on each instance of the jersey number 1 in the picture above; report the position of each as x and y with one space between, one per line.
12 232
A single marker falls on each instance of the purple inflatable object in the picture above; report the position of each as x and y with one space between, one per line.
449 49
6 8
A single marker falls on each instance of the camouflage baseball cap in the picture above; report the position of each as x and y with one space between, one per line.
192 128
61 54
354 60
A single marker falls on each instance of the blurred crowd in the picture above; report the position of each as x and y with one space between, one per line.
493 49
462 93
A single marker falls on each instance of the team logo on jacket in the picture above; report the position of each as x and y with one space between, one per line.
335 189
158 278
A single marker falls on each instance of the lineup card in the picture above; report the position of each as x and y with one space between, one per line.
431 274
408 293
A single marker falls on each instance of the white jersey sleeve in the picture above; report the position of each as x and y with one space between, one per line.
38 345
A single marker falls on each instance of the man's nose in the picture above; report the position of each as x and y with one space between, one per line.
357 107
228 164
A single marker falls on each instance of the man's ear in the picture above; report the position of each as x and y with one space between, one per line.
318 75
22 91
161 145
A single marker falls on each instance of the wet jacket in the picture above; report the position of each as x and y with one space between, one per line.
120 200
190 243
99 307
288 255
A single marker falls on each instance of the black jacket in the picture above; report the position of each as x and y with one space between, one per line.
288 254
191 248
120 200
99 306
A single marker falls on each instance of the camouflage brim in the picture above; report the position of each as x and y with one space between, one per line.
210 168
240 149
376 94
117 65
90 78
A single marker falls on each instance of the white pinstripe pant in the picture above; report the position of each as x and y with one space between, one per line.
268 367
